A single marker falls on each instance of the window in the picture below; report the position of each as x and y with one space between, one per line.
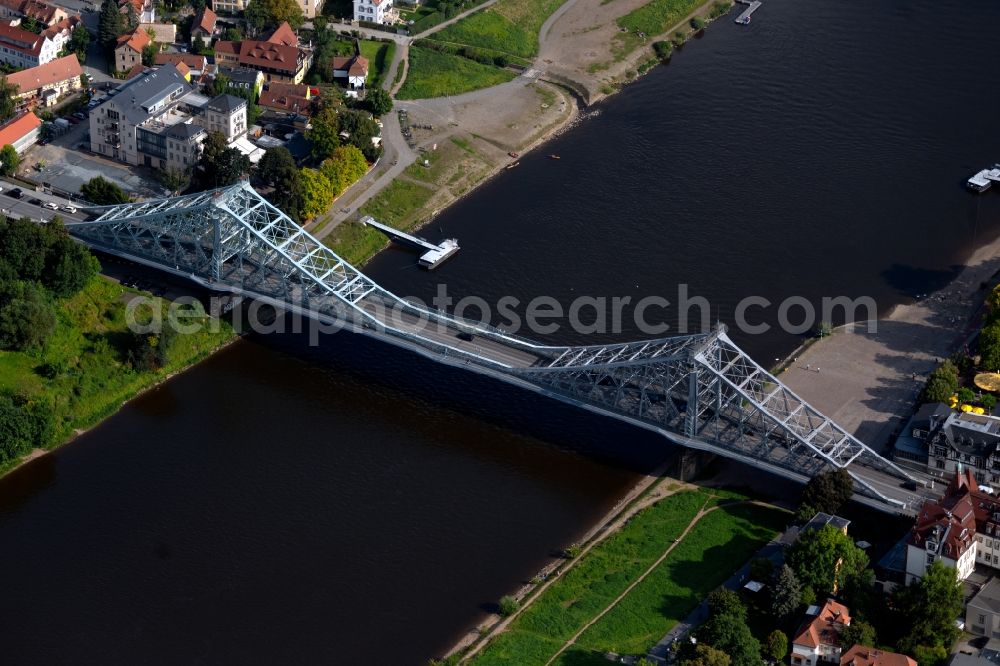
981 621
939 463
930 558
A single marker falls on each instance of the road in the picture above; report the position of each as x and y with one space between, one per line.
13 207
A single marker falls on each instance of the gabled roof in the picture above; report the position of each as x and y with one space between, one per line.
137 41
223 46
266 54
185 130
281 102
953 521
68 24
18 128
859 655
192 60
205 20
21 40
55 71
284 34
353 65
824 629
40 11
297 89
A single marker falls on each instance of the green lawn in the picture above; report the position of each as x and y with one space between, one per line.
434 74
718 545
509 26
654 18
379 55
82 368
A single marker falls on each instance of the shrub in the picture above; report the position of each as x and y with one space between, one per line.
663 49
508 605
697 23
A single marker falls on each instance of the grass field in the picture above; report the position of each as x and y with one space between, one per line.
433 74
379 55
721 542
85 374
509 26
654 18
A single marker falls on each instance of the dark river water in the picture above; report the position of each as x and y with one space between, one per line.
357 504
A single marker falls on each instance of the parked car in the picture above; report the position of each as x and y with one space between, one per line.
35 202
80 115
50 205
16 193
69 208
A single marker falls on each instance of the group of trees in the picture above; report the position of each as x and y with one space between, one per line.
725 639
264 14
24 424
330 123
98 190
825 493
112 24
305 193
221 165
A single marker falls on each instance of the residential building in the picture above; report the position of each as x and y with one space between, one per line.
284 35
859 655
61 32
229 6
42 12
982 613
374 11
163 33
962 529
226 114
46 83
350 72
144 9
21 132
158 120
128 50
277 62
964 440
244 79
195 63
21 48
204 25
286 97
818 641
911 445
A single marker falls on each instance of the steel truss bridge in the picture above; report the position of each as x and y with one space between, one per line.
699 391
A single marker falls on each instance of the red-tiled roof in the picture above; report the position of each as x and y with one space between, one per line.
284 34
192 60
39 11
60 69
955 519
265 54
355 65
206 20
67 24
137 69
137 41
19 127
294 89
859 655
824 629
232 48
282 102
20 40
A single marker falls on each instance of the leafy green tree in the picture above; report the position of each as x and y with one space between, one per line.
761 569
9 160
80 42
943 382
378 101
723 601
131 18
930 656
323 135
726 629
25 423
69 266
256 15
786 592
198 46
278 11
22 250
175 180
930 607
989 401
858 632
825 558
829 491
27 316
111 24
277 170
219 85
706 655
776 645
361 128
234 34
149 52
317 193
220 165
8 103
966 394
102 192
344 168
508 605
31 25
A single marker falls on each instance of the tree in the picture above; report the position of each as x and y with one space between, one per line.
8 103
761 569
344 168
723 601
825 558
706 655
198 45
966 394
508 605
786 592
776 645
323 135
220 165
27 316
989 401
149 52
378 101
277 170
219 85
131 18
858 632
279 11
317 193
31 24
829 491
930 656
25 423
111 24
361 128
175 180
80 42
726 629
9 160
930 606
234 34
256 15
69 266
943 382
102 192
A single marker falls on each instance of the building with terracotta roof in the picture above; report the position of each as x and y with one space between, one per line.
284 35
42 12
21 48
278 62
960 530
374 11
62 31
351 72
46 83
21 132
128 50
859 655
819 638
204 25
278 101
229 6
195 63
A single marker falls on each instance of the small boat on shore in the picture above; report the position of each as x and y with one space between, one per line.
512 165
553 157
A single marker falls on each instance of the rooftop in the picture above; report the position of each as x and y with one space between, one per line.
226 103
821 519
55 71
859 655
824 628
150 92
18 127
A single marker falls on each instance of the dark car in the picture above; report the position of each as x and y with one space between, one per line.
16 193
909 485
35 202
464 335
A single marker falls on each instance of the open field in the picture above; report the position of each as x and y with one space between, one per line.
433 74
82 370
509 26
379 55
652 19
717 545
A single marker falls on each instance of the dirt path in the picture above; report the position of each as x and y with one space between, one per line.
694 521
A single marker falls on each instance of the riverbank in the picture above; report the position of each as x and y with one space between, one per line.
868 381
